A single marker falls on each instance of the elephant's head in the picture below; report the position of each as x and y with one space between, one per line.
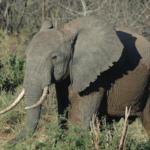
47 60
48 57
81 49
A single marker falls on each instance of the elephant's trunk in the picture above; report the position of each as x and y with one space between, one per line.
33 93
36 81
40 101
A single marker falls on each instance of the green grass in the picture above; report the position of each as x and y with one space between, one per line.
50 137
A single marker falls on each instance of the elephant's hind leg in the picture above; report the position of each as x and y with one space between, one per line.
146 117
82 108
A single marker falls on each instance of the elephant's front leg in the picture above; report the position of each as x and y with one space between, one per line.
82 108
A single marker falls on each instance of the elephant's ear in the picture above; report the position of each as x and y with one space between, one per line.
95 51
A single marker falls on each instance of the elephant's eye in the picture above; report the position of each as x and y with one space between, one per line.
54 57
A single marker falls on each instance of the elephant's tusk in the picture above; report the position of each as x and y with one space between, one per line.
17 100
41 100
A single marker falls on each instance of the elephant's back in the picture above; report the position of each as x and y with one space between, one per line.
128 91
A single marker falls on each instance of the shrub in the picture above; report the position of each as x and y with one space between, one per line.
11 60
11 72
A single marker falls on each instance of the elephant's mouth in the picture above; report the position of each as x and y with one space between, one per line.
20 97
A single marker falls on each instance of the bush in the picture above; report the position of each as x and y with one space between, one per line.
11 72
11 60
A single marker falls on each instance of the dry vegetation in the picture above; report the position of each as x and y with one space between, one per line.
15 15
19 21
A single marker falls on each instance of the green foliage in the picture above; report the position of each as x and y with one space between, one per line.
11 60
11 72
75 138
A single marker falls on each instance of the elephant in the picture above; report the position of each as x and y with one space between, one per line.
96 68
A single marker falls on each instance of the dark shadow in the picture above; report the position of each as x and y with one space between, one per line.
62 99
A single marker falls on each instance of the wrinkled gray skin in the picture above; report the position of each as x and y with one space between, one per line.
76 58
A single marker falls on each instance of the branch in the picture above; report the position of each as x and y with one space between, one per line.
95 130
125 128
23 13
84 7
6 18
73 12
141 14
76 13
